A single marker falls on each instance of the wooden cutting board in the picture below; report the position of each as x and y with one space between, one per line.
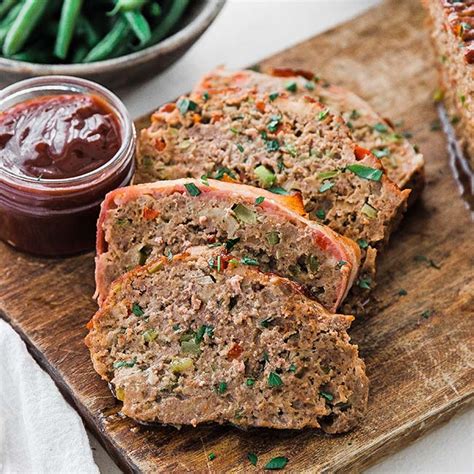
418 347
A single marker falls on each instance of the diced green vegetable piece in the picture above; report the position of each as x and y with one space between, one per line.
253 459
381 153
259 200
273 124
221 172
192 189
363 244
328 174
222 387
320 214
211 456
328 396
124 363
273 96
366 172
250 382
323 114
137 310
181 364
150 335
249 261
274 380
244 214
266 177
278 190
381 128
230 243
313 263
326 186
190 347
184 105
369 211
273 237
276 463
364 283
291 86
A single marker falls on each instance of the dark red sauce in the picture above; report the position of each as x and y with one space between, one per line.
57 137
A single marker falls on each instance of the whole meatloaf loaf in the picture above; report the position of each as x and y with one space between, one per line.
279 142
403 165
183 342
141 222
452 31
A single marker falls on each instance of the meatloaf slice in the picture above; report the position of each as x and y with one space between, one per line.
184 342
141 222
452 31
281 142
403 165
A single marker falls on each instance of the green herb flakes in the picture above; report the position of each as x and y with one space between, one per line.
309 85
274 380
274 123
278 190
205 96
273 96
234 131
340 264
320 214
381 128
253 459
230 243
204 180
244 214
203 329
265 177
192 189
240 147
369 211
272 145
185 104
363 244
328 174
211 457
273 238
259 200
323 114
366 172
292 368
265 323
402 292
326 186
150 335
176 327
277 463
355 114
364 283
221 172
384 152
222 387
250 382
291 86
249 261
124 363
137 310
427 313
328 396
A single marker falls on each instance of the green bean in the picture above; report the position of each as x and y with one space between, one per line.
24 24
85 29
127 6
80 54
7 22
67 23
139 25
106 46
39 53
169 21
6 6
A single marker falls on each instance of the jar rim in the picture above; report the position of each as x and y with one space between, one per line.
70 84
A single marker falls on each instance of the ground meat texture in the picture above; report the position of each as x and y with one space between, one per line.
452 32
403 165
183 344
278 142
142 222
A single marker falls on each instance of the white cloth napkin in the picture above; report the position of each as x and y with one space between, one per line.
39 432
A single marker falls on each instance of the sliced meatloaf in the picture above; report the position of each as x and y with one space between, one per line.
141 222
452 31
403 165
280 142
183 341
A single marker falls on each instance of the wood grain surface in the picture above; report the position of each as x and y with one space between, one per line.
418 347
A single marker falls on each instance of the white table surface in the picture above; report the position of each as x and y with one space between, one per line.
244 32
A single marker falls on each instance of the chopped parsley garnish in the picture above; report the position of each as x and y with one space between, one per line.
428 261
221 172
369 211
185 104
364 283
169 255
176 327
204 180
222 387
273 238
280 165
192 189
340 264
381 128
250 382
211 457
354 115
272 145
234 131
244 214
265 323
240 147
274 380
320 214
366 172
278 190
276 463
326 186
328 396
249 261
292 368
274 122
229 245
273 96
363 244
427 313
253 459
259 200
266 177
323 114
381 153
402 292
205 96
124 363
328 174
291 86
137 310
203 329
309 85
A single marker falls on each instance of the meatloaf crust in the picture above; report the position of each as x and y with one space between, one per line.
264 229
184 342
403 165
452 32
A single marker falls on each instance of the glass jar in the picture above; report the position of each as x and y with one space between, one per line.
57 217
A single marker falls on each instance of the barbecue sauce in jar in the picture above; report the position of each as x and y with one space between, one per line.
64 143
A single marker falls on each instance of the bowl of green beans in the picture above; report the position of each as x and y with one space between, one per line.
114 42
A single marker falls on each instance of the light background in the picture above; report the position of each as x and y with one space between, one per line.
245 32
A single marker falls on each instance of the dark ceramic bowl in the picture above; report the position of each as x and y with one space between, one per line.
130 68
